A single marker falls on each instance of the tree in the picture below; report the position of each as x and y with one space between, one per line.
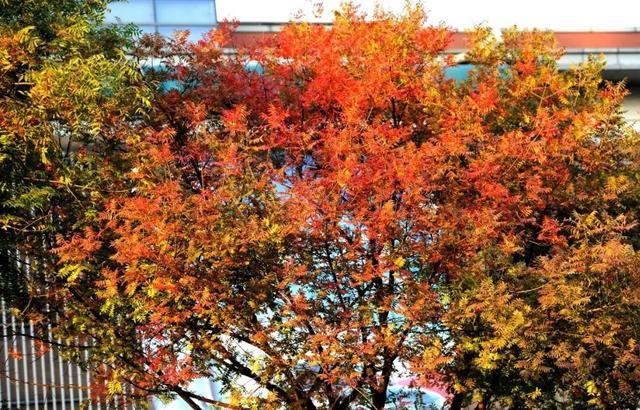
539 316
352 212
68 95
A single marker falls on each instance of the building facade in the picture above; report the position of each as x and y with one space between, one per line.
166 16
32 378
621 49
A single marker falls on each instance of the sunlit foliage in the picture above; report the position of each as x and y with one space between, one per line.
305 232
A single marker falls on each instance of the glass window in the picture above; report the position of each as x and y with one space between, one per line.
147 28
186 11
458 72
196 32
132 11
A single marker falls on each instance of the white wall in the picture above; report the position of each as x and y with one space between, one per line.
632 107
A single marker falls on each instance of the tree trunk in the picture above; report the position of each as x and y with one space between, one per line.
456 402
379 399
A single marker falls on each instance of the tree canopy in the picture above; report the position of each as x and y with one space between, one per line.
347 215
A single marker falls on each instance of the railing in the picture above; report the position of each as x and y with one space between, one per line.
31 378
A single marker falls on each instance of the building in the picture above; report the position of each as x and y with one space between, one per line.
620 48
165 16
31 379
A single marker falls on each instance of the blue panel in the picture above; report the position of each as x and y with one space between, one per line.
147 28
186 11
461 72
196 32
458 72
254 67
132 11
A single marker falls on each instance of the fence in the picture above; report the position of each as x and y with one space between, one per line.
30 379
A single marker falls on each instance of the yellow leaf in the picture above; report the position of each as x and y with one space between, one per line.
399 262
535 394
43 157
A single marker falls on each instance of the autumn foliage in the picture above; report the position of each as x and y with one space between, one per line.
347 214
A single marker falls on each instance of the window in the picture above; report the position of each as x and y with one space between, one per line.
166 16
196 32
185 12
132 11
